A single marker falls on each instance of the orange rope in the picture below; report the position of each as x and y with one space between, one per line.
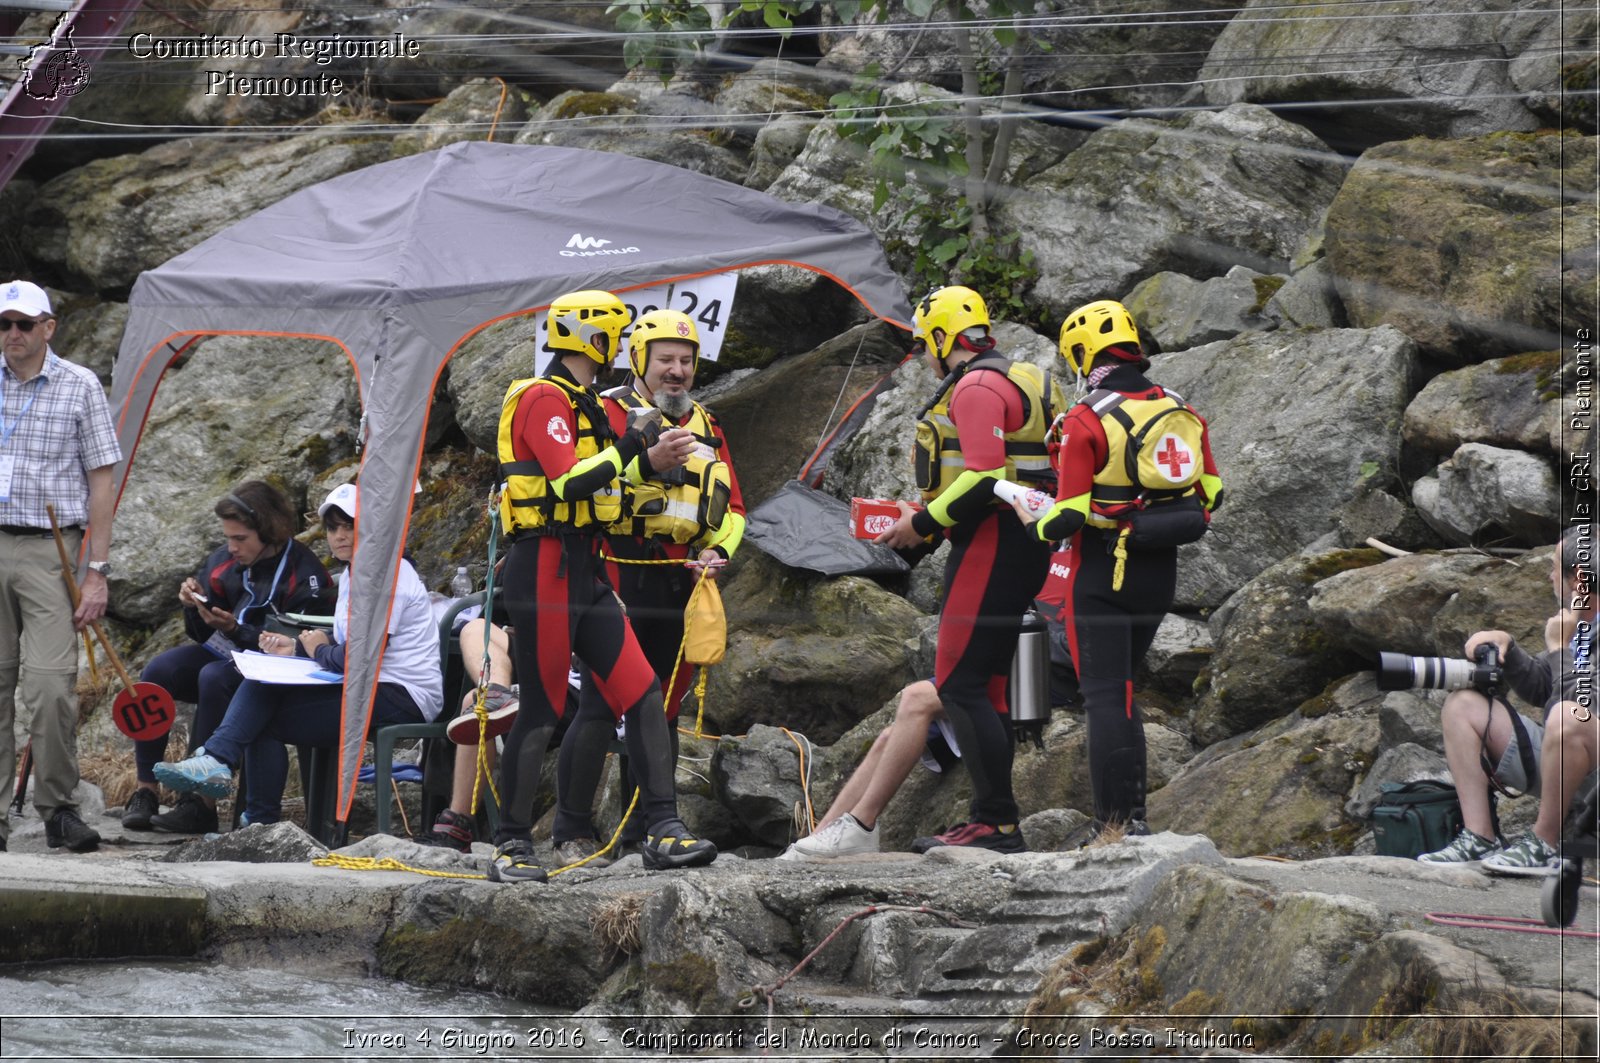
504 91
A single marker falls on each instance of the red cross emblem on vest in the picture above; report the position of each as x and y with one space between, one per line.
1173 458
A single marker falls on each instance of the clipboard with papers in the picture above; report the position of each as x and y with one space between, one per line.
272 668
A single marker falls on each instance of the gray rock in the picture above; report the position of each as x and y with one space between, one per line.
1281 788
1504 402
104 223
1534 36
1411 718
757 775
780 311
669 129
778 144
1467 246
1399 764
807 653
472 111
1179 312
1271 655
282 410
1181 649
1491 496
1287 465
1048 831
1428 604
1309 299
259 843
1196 196
88 332
1374 513
1410 68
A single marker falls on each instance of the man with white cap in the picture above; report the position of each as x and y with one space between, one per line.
57 449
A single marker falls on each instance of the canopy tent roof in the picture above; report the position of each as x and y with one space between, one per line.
402 262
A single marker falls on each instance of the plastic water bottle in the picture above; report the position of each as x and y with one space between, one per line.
1032 499
461 584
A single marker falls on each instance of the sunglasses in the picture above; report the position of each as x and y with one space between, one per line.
23 324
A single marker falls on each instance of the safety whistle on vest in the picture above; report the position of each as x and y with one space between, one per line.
1032 499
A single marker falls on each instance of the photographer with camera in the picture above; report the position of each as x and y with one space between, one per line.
1485 740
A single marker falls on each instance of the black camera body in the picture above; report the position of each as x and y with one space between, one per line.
1401 671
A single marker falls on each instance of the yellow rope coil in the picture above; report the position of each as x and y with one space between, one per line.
1122 559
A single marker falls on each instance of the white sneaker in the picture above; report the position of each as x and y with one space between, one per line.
843 837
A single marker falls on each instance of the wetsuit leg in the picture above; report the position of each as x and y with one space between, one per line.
582 762
1112 631
992 575
539 592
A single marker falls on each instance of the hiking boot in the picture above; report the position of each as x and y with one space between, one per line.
1001 839
189 816
451 830
201 773
1466 848
583 851
845 836
1528 855
499 703
513 862
141 806
65 828
670 846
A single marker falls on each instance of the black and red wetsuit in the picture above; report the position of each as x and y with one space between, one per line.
1110 631
560 605
994 570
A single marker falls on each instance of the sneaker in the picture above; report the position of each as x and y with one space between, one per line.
1528 855
189 816
141 806
513 862
499 702
452 830
1467 848
845 836
670 846
65 828
201 773
585 851
1000 839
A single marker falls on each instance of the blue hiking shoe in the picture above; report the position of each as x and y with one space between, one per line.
200 774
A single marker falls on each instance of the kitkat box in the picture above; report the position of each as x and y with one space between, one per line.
871 517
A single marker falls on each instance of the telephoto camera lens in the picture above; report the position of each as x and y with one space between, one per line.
1401 671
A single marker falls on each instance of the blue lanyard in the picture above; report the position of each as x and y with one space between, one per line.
1582 643
250 592
7 429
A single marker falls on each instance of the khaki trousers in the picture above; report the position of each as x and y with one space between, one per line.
38 670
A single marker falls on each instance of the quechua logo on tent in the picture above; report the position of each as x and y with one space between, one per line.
581 246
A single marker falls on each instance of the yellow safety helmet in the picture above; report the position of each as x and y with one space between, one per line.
1092 328
660 325
579 318
952 310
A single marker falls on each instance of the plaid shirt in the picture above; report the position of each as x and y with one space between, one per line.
65 433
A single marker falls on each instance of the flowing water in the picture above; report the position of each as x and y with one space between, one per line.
184 1011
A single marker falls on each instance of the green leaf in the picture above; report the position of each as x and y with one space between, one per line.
949 249
776 17
1369 469
919 8
880 195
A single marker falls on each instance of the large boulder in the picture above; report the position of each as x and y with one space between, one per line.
481 109
1487 495
1281 788
1409 68
1179 312
104 223
1474 247
1309 299
281 410
1197 196
1504 402
1271 655
807 653
1428 604
1287 465
673 129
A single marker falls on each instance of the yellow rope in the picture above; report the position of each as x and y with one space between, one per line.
631 561
388 863
1122 558
94 669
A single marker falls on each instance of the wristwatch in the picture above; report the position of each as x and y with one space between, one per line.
102 567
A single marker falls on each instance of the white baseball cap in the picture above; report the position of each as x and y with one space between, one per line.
343 498
26 298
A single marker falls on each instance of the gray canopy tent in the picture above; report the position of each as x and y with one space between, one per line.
402 262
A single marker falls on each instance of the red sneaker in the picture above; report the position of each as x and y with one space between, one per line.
1000 839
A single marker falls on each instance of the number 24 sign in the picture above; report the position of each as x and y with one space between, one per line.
708 300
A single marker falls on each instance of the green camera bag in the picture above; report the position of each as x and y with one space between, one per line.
1415 818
